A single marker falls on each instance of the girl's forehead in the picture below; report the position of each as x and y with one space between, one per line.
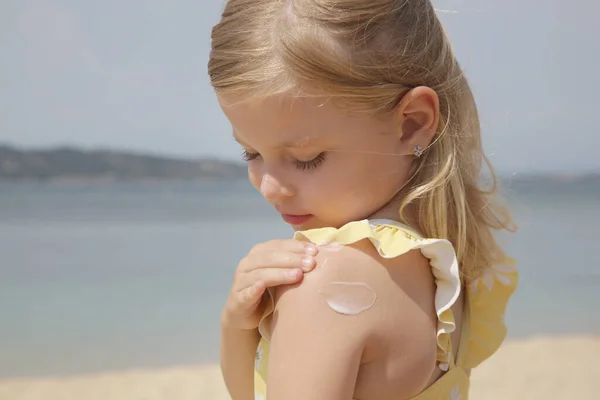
297 124
281 122
284 140
280 105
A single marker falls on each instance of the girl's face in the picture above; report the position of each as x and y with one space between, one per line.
319 166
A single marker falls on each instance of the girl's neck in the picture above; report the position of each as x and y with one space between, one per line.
391 211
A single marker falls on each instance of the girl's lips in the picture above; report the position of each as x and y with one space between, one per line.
296 219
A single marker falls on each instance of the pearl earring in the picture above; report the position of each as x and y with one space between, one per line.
418 151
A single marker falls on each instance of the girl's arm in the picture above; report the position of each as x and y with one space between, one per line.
238 352
267 264
316 352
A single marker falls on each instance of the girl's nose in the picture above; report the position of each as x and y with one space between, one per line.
271 189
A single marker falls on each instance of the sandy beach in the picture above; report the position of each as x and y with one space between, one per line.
557 368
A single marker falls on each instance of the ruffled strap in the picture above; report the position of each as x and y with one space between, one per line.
488 297
392 239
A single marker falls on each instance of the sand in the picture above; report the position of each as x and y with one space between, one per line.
540 368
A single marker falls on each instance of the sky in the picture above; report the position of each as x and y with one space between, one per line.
132 75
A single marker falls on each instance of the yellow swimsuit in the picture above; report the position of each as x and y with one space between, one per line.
483 329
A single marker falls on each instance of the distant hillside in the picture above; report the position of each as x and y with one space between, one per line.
66 163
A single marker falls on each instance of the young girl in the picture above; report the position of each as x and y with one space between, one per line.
359 127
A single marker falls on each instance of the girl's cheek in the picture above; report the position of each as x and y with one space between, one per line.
255 176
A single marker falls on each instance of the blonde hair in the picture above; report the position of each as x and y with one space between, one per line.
365 55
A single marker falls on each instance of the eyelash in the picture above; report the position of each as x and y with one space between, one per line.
302 165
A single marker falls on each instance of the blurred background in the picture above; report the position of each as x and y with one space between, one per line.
120 182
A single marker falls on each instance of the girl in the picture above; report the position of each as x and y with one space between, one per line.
360 128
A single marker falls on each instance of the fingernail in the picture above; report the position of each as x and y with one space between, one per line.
294 273
312 250
308 263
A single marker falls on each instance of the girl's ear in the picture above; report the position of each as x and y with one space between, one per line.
419 114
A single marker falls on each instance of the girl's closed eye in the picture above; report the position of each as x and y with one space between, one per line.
300 164
248 156
310 164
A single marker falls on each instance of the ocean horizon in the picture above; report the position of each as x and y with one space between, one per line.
134 275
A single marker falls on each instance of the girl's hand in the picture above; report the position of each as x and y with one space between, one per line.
273 263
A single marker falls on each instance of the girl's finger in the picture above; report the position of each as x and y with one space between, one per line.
248 297
276 276
282 260
286 245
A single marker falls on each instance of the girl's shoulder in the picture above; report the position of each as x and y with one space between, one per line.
373 297
363 305
486 298
393 245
